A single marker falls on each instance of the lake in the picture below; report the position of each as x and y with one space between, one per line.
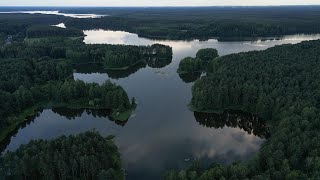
162 133
58 13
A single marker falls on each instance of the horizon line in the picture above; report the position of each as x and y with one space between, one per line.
96 6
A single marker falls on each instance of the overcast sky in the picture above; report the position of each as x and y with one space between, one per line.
155 2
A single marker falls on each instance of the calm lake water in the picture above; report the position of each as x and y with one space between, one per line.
162 133
58 13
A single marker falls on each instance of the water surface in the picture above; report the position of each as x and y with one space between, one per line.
58 13
163 133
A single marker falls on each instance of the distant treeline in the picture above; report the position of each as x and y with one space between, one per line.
16 25
40 31
203 23
281 85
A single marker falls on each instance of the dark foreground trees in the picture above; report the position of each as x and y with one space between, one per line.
282 85
84 156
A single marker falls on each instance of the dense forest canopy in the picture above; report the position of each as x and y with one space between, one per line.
190 65
207 54
16 25
40 31
280 84
84 156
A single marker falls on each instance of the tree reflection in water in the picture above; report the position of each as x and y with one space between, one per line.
72 114
190 77
250 123
152 62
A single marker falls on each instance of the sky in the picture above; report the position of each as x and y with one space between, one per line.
156 2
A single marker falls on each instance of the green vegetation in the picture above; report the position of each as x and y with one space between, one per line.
224 23
199 64
119 57
84 156
207 54
36 75
39 31
15 25
190 65
281 85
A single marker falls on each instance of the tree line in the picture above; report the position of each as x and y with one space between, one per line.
40 31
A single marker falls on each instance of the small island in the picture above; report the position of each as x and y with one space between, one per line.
190 65
190 68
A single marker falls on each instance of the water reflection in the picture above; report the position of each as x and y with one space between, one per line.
164 132
152 62
72 114
148 145
158 62
58 13
250 123
113 74
190 77
55 119
191 47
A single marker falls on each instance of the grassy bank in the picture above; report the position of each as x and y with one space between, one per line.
23 116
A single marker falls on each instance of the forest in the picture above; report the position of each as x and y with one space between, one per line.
84 156
40 31
16 25
280 85
223 23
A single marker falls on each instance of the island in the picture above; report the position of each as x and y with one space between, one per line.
190 69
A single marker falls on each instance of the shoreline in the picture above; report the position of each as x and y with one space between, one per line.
26 114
